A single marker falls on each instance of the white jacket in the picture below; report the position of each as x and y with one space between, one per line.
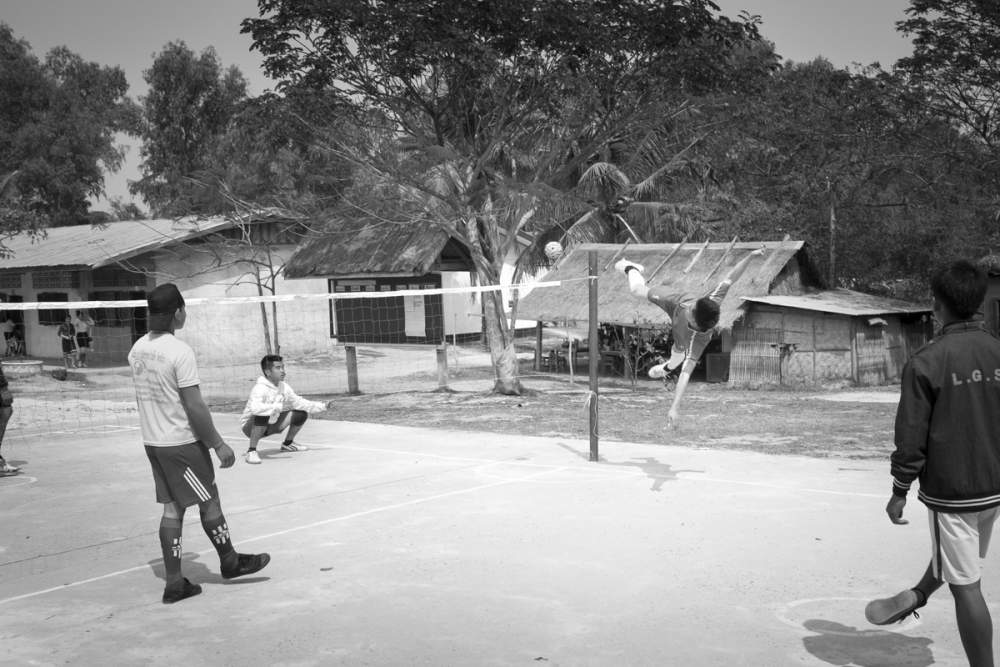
270 400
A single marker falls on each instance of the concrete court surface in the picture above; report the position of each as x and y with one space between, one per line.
403 546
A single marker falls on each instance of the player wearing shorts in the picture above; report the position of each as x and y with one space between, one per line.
67 335
6 412
947 435
693 321
274 406
178 432
83 324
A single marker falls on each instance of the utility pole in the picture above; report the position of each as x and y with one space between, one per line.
833 235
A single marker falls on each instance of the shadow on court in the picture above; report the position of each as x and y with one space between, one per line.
839 644
405 546
660 473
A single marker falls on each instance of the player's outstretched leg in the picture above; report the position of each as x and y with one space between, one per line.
633 272
296 420
233 564
890 610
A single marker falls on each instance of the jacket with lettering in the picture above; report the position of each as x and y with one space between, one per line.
948 421
269 400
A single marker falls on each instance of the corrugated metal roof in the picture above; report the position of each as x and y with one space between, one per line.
693 268
843 302
92 246
343 248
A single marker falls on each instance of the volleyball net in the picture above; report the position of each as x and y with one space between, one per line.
357 339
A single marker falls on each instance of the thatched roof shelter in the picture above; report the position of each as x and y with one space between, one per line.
352 248
690 268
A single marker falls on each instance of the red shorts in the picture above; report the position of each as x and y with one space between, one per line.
183 474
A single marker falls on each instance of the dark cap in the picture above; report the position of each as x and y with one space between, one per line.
165 299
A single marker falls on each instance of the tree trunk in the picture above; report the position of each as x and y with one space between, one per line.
501 344
498 337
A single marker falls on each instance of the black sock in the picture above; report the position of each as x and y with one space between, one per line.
170 546
218 532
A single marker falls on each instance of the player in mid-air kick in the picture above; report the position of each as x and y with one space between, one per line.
274 406
693 321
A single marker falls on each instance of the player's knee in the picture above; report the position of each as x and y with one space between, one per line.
299 417
210 509
173 511
963 590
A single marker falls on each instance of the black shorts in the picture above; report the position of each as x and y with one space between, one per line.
183 474
68 346
83 340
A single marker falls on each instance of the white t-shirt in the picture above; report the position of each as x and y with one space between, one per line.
162 365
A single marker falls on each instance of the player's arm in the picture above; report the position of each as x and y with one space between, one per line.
304 404
682 383
912 422
204 428
733 275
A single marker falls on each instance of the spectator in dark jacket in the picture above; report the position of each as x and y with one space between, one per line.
948 436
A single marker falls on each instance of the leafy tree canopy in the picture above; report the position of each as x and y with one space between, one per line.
190 103
956 60
58 118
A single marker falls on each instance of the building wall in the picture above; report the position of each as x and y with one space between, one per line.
224 333
789 346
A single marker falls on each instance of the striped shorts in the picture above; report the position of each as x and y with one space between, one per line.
183 474
960 542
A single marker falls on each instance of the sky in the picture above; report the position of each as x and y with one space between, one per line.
129 33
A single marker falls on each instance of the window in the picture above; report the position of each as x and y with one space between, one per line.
55 316
50 279
10 280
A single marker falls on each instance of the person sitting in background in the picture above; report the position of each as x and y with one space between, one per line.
274 406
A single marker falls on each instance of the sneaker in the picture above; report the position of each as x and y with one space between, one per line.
6 468
659 371
622 264
246 564
252 456
293 447
896 608
185 589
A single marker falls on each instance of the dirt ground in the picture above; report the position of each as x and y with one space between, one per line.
846 422
811 422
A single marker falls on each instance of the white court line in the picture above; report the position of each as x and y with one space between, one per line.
605 468
376 510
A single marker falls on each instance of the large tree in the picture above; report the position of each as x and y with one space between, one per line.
486 111
956 61
58 120
190 103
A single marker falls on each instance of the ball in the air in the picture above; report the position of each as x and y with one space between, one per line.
553 250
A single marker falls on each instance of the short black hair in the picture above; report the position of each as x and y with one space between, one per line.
164 299
268 361
706 313
961 287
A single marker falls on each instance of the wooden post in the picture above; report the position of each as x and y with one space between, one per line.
618 253
666 259
697 256
539 328
352 369
594 353
442 366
